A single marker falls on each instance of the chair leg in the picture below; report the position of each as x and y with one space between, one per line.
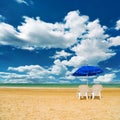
100 96
86 96
79 95
93 96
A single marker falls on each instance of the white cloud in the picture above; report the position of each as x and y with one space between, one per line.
89 52
22 1
95 30
116 71
69 76
86 39
38 33
8 35
25 68
118 25
35 33
105 78
25 74
33 73
2 18
74 61
26 2
108 68
93 47
76 23
61 54
31 70
6 77
114 41
58 68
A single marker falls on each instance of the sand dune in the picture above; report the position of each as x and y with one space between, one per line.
57 104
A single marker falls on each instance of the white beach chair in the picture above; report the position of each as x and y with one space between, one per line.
96 91
83 91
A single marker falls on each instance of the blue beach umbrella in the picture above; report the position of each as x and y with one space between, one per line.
88 71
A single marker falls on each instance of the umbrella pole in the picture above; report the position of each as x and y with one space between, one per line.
87 79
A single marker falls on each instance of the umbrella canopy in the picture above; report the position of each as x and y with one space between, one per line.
88 71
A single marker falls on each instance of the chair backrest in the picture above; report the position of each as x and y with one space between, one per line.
84 88
97 87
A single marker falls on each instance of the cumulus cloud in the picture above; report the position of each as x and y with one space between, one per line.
48 35
118 25
58 73
114 41
93 47
58 68
76 23
26 2
108 68
87 41
25 68
31 70
61 54
36 73
89 52
2 18
22 1
8 36
95 30
35 33
105 78
6 77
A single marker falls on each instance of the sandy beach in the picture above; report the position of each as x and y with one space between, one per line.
57 104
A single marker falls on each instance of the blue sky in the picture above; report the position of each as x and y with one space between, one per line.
45 41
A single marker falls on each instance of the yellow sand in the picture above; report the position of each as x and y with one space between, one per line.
57 104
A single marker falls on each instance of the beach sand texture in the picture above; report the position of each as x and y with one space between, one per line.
57 104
